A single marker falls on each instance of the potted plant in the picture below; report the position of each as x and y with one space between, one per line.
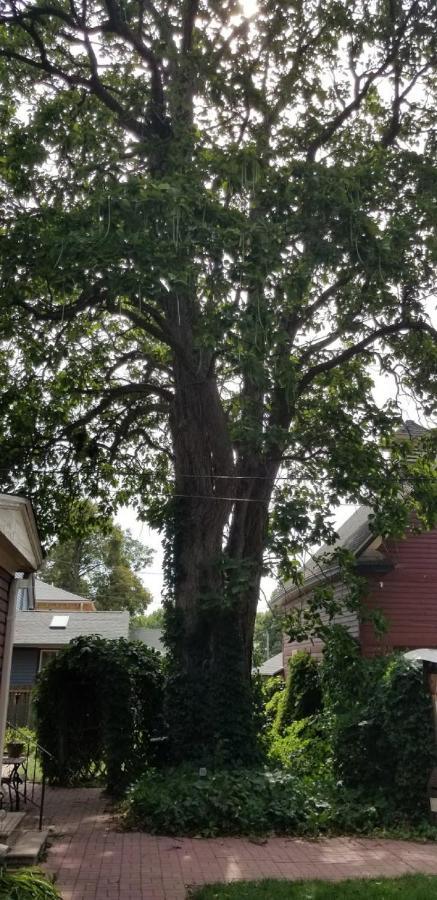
14 748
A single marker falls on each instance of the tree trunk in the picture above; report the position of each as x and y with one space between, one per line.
216 564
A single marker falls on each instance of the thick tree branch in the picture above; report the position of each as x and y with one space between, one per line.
355 350
188 20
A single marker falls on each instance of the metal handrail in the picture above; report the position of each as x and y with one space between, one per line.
31 744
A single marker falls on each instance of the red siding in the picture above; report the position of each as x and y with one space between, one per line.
407 596
5 580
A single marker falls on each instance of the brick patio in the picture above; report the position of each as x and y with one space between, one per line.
93 861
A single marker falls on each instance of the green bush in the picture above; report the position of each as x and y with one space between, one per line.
26 884
98 703
224 802
271 687
302 696
379 724
303 748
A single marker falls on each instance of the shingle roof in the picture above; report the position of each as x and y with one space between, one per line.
44 591
32 629
411 430
151 637
354 535
272 666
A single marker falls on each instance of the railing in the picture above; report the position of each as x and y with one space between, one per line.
24 775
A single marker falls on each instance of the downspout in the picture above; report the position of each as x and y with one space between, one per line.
7 659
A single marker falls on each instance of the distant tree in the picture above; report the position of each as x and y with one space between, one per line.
267 640
154 619
104 566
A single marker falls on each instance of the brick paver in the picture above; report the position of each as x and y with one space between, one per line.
93 861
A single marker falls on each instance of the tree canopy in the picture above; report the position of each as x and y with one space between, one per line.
154 619
104 566
216 230
267 636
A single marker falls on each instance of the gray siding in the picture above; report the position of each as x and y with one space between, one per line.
315 646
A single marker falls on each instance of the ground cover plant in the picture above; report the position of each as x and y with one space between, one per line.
410 887
265 801
27 884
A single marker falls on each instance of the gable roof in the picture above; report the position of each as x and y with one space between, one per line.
45 591
32 629
272 666
354 535
410 430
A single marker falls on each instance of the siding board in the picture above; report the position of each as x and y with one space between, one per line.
407 596
315 646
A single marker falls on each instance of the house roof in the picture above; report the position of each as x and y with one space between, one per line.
410 430
45 591
151 637
272 666
32 629
354 535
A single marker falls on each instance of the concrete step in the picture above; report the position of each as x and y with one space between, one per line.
27 848
8 823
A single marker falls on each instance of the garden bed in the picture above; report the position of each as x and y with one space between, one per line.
250 802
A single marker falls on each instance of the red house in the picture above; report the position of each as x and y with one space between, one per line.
402 584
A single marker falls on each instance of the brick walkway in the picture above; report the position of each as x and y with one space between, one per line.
93 861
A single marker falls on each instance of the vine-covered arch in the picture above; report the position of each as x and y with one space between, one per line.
98 704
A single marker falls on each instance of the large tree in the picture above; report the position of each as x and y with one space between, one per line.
103 564
215 228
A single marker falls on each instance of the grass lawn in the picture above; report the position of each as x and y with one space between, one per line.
410 887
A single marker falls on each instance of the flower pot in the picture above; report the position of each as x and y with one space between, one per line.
14 749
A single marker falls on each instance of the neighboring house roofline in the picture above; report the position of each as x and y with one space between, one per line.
272 666
45 592
19 532
32 629
354 535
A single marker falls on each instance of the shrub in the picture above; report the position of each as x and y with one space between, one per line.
302 696
379 724
98 702
303 748
271 687
26 884
224 802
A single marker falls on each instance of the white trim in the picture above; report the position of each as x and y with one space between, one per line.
12 502
7 660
